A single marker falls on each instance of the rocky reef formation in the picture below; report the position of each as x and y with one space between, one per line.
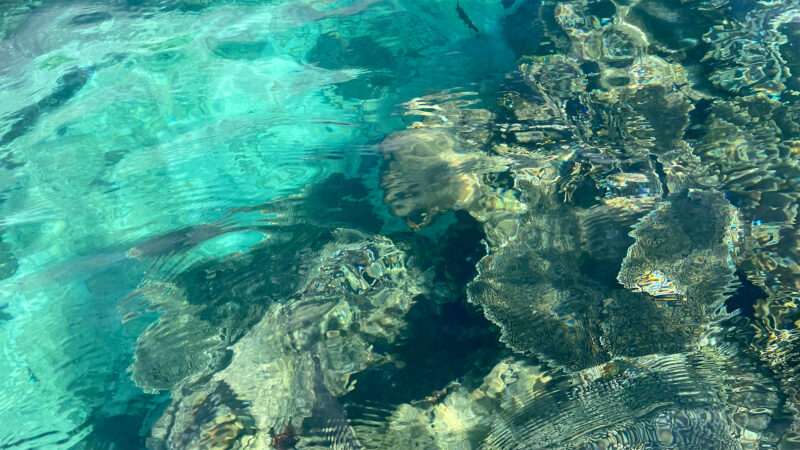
210 305
284 375
647 155
704 398
551 300
636 173
436 165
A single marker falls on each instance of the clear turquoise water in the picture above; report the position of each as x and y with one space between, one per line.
399 224
176 117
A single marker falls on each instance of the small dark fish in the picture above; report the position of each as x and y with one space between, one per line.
464 18
4 316
75 268
304 13
90 18
7 162
601 158
177 241
68 86
114 156
507 3
342 124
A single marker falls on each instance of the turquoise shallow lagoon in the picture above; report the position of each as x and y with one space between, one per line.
399 224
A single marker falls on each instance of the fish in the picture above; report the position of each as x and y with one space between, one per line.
177 241
68 86
7 162
324 121
465 18
299 14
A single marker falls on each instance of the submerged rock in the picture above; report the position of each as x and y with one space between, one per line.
208 305
668 120
439 164
551 298
207 308
684 252
745 53
747 148
704 398
430 172
300 356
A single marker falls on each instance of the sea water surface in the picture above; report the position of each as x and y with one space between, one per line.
576 190
123 123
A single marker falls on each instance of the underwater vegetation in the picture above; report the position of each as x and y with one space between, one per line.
388 224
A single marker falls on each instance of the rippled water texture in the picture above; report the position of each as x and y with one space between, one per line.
162 128
399 224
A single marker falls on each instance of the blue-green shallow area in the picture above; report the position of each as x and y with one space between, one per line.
122 123
440 224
